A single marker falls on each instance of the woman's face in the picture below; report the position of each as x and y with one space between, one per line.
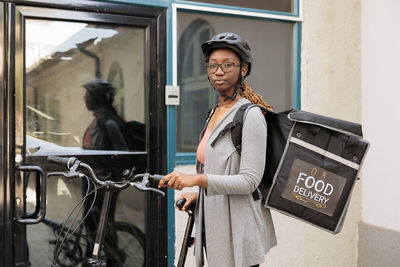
94 101
225 82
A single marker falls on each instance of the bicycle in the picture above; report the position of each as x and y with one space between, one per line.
73 248
188 240
131 241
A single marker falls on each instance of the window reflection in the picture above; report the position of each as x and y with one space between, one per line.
106 131
196 95
61 57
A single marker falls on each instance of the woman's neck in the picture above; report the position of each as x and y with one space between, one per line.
228 103
100 112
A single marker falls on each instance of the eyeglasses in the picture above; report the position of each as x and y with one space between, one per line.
225 67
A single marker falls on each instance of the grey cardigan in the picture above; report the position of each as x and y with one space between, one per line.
239 231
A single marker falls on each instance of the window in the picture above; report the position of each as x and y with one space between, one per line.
273 5
272 46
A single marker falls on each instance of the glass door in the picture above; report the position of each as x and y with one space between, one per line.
87 85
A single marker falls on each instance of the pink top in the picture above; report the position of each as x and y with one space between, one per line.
202 146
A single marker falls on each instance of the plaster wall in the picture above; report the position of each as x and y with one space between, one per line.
331 86
379 233
380 83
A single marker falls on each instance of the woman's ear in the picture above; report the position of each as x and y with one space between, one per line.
245 68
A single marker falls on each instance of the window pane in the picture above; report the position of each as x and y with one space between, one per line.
273 5
106 114
271 73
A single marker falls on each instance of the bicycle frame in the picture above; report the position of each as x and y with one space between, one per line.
95 261
187 239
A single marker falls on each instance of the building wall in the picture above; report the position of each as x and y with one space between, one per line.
331 85
380 227
381 79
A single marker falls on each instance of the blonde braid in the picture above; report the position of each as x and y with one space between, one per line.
253 97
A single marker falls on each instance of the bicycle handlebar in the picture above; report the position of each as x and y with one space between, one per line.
139 181
181 202
65 162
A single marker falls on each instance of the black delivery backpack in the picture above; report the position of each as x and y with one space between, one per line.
314 163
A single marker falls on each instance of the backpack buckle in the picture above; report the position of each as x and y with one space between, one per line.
236 123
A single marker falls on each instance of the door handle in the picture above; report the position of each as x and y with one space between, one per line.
40 209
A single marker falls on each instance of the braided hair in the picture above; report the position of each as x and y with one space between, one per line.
248 93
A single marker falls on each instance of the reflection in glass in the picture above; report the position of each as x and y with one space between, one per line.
106 130
85 94
63 56
196 95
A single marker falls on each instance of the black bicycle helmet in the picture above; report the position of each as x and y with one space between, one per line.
101 87
230 41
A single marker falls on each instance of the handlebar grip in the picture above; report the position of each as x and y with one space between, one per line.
157 177
66 162
57 160
181 202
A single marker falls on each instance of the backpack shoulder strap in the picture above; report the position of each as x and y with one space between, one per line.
235 126
236 131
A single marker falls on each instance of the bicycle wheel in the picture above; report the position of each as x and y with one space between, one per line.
71 254
127 247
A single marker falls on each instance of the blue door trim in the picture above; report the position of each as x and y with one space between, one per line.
297 65
171 146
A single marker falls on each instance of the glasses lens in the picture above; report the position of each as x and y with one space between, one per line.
227 67
212 67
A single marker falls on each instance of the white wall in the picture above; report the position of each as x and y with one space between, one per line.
381 122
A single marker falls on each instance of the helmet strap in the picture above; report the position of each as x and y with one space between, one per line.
226 97
238 84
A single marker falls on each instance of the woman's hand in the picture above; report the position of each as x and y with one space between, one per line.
180 180
191 198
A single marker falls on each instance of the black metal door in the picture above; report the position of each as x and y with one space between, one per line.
81 80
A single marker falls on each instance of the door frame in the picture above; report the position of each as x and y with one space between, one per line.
14 234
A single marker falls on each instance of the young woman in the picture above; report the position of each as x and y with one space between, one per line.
232 227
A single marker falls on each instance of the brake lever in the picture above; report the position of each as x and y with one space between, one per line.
72 173
142 185
156 191
65 174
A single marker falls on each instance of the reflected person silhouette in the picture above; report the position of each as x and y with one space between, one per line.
105 132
